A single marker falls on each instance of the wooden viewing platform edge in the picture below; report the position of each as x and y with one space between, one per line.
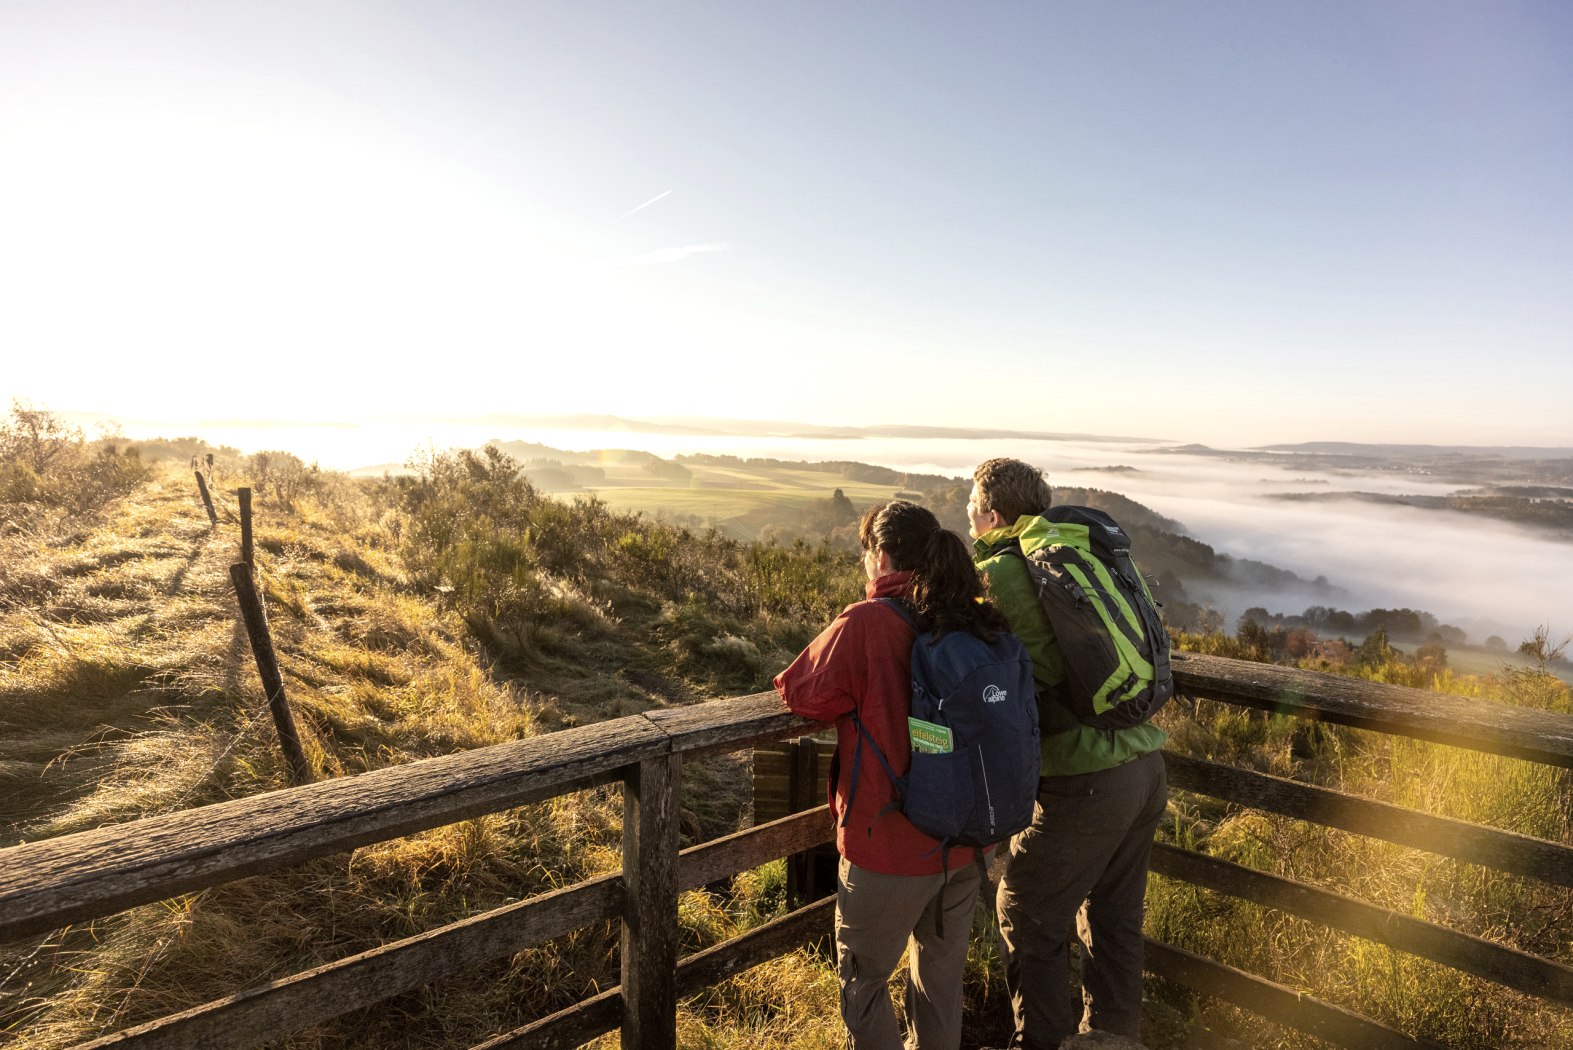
48 884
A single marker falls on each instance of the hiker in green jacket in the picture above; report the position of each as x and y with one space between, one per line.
1084 859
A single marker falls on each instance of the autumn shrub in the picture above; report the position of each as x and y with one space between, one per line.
525 568
46 462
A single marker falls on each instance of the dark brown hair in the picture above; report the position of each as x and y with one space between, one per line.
1012 488
946 588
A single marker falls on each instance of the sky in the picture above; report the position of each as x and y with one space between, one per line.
1228 222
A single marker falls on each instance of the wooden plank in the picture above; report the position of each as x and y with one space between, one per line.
800 796
1276 1002
1510 967
1499 729
48 884
578 1024
266 1012
1461 840
649 944
773 939
701 865
567 1029
728 725
775 774
805 773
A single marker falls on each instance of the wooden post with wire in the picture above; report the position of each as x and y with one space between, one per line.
207 500
246 553
268 669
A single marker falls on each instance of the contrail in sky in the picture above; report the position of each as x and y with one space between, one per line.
645 205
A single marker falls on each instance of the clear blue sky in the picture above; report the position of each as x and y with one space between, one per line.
1226 222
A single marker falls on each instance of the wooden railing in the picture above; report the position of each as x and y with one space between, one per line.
1500 729
48 884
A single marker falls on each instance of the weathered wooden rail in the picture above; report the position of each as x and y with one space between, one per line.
1537 736
49 884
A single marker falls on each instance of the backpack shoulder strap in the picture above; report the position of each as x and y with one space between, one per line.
900 607
903 609
1011 546
857 769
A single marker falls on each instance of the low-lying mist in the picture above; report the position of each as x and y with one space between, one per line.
1485 575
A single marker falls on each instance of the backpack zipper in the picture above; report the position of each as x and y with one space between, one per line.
988 796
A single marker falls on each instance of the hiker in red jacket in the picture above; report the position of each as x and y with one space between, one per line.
891 874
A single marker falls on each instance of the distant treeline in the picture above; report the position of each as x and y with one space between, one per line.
864 472
555 475
185 449
1550 507
1410 624
1462 465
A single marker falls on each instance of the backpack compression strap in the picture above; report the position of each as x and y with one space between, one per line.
899 607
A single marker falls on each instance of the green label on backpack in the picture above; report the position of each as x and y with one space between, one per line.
930 738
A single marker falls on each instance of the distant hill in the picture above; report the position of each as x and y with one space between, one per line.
701 426
1353 448
1462 464
759 498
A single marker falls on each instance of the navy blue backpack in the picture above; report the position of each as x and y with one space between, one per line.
973 778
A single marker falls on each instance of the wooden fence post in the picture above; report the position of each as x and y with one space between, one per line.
246 554
207 500
268 669
801 795
649 945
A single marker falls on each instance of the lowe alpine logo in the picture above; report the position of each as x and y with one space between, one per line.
993 695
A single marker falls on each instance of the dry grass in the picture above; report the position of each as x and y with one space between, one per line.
1394 987
99 619
127 689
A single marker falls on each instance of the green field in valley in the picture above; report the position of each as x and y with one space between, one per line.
740 501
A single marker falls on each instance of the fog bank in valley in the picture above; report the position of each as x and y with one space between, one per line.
1485 575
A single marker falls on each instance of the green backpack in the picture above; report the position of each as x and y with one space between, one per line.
1115 645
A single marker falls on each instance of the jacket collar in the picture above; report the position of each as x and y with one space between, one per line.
991 541
890 585
1032 531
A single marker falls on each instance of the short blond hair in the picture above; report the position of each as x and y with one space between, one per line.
1012 488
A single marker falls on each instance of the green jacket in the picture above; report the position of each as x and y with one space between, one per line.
1069 746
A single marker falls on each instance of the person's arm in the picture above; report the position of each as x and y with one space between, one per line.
823 682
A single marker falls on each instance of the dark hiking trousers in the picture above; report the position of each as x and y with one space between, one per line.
1083 862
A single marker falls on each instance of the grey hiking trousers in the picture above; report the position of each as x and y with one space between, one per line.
877 917
1083 861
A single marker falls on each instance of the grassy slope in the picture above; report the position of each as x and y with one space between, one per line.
127 689
116 641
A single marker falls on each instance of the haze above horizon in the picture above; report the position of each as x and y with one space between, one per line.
1220 223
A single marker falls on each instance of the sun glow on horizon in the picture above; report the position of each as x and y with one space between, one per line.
215 211
295 266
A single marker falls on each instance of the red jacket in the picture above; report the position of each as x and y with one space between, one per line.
862 661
